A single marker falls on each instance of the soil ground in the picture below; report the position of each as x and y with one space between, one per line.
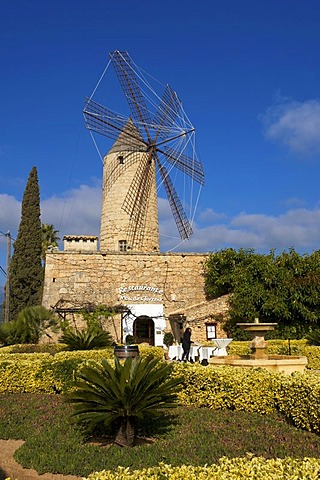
10 468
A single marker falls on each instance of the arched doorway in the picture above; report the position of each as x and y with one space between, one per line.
143 330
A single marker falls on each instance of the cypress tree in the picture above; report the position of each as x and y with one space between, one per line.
26 271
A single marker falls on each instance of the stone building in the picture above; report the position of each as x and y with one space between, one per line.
151 292
160 292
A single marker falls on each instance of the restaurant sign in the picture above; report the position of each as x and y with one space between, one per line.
140 293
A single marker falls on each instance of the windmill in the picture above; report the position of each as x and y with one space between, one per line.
149 145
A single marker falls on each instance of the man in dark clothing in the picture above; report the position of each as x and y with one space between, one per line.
186 344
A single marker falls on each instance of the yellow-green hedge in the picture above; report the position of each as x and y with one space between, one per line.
254 390
44 373
248 468
228 387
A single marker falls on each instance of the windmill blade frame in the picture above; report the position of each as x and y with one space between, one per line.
159 129
166 114
179 215
186 164
127 77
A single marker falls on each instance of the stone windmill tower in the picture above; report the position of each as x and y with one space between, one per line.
149 146
129 179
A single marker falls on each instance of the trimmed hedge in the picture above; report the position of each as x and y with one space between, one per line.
44 373
253 390
232 388
248 468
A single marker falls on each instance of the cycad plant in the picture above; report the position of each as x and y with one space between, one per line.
89 339
118 396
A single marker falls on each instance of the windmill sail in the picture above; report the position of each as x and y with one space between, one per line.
146 142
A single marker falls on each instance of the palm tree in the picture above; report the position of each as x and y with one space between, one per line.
49 238
118 396
33 322
30 325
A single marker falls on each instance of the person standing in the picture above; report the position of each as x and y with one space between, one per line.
186 344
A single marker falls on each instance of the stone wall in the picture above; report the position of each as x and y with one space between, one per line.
174 280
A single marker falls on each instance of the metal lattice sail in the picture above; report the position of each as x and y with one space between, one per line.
153 140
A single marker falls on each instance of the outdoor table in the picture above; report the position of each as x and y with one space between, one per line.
205 353
176 352
221 345
194 352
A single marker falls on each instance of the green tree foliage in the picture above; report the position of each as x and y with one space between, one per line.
30 325
49 238
26 271
96 317
105 395
283 289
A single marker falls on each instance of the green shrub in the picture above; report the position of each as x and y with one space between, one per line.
168 339
19 376
42 372
30 325
313 338
245 468
89 339
254 390
129 340
299 400
51 348
229 388
118 395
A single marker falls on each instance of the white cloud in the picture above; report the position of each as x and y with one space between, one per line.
295 202
76 213
79 213
299 228
10 211
295 125
209 215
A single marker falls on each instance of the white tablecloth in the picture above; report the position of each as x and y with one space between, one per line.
206 352
176 351
221 346
194 352
217 350
197 352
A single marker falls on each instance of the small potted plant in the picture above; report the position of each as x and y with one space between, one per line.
167 341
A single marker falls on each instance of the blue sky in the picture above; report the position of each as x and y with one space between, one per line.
248 74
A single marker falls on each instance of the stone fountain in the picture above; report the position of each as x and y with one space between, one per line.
259 357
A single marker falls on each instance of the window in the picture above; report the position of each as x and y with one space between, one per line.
211 330
123 245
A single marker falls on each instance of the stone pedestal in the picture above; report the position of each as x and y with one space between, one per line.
258 331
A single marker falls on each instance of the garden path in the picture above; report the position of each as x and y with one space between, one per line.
10 468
